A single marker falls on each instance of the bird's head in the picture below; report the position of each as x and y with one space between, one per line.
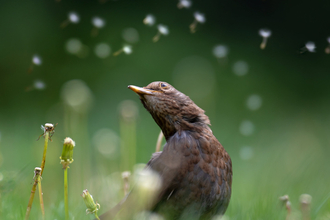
172 110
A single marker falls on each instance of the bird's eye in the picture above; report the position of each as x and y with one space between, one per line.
163 85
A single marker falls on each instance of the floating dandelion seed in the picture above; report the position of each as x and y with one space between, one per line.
254 102
184 4
246 128
199 18
149 20
73 18
240 68
265 34
39 85
310 46
102 50
162 30
36 60
220 51
98 23
127 49
327 49
130 35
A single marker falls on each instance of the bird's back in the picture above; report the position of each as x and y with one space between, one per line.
197 173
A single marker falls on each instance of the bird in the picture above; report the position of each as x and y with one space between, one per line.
194 168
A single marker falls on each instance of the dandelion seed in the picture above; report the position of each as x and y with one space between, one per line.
254 102
220 51
162 30
246 128
327 49
240 68
199 18
39 85
310 46
149 20
102 50
184 4
73 18
265 34
127 49
36 60
98 23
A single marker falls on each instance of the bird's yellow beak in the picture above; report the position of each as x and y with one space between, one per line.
141 91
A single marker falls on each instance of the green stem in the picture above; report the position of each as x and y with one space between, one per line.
45 151
96 216
41 199
28 210
66 203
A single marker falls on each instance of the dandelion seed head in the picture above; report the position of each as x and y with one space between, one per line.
246 128
264 32
73 46
36 60
73 17
254 102
185 3
98 22
163 29
220 51
240 68
149 20
199 17
131 35
310 46
127 49
102 50
38 84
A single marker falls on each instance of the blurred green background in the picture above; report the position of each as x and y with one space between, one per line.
278 139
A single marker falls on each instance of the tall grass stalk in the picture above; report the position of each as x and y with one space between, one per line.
37 174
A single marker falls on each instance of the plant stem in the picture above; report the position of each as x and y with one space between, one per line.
41 199
96 216
45 151
66 203
36 180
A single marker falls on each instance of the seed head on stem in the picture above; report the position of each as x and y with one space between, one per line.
265 34
199 18
305 202
126 175
127 49
149 20
73 18
184 4
162 30
285 201
98 23
36 178
36 61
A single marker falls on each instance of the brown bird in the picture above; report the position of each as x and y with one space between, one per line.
195 169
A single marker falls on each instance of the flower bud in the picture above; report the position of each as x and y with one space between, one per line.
67 152
92 207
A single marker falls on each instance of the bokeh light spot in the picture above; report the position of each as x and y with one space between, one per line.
106 141
240 68
102 50
246 128
131 35
254 102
